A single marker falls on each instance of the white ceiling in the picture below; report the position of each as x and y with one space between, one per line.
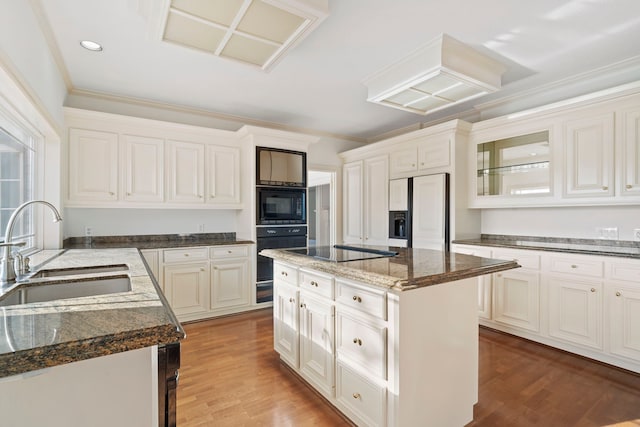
561 47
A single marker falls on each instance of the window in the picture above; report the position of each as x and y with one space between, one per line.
17 158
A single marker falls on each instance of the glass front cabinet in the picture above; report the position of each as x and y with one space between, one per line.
511 169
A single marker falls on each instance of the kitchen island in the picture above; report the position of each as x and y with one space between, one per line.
85 360
389 340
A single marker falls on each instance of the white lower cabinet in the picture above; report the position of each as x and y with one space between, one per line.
362 399
485 283
202 282
285 322
349 341
585 304
316 342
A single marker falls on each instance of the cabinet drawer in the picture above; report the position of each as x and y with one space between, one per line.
363 342
322 285
363 400
367 300
524 258
185 255
625 270
229 251
285 273
580 266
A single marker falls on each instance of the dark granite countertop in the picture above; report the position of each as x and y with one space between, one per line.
411 268
618 248
43 334
154 241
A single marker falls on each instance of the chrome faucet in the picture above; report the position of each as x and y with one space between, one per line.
7 269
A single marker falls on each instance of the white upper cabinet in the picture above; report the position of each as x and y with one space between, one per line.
423 154
429 211
223 175
588 154
143 168
629 182
93 165
124 162
185 170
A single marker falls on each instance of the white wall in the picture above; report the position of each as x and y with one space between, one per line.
25 55
116 222
573 222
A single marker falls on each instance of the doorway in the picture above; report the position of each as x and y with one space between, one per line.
322 206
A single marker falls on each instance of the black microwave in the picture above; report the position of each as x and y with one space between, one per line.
281 206
282 168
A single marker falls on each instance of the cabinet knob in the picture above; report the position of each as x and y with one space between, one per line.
618 293
200 196
292 300
499 275
593 289
413 165
303 305
212 196
312 283
421 163
605 188
229 252
111 193
284 273
357 298
356 395
128 194
186 254
629 186
202 268
357 341
574 266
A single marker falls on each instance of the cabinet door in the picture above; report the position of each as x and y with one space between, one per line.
429 212
230 283
143 169
434 152
316 342
376 201
517 299
630 135
575 311
93 165
484 282
403 161
285 322
398 194
187 287
185 172
352 202
223 175
624 320
589 157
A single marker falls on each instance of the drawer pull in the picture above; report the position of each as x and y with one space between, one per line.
186 254
284 273
593 289
357 298
357 341
292 300
574 266
229 252
202 268
605 188
356 395
618 294
629 186
303 305
312 283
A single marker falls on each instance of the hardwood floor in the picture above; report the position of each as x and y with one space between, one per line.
230 376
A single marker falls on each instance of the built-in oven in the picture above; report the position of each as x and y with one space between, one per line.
278 205
274 237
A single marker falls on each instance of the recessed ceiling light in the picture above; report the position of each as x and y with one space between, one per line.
88 44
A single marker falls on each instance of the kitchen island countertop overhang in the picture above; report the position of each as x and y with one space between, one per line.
411 268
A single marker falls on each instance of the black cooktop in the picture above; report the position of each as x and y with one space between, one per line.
341 253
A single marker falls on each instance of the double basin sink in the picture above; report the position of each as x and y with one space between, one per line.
66 283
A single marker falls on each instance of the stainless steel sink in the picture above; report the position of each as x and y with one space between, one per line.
67 289
80 270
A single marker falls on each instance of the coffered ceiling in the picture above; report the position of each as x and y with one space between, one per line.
550 49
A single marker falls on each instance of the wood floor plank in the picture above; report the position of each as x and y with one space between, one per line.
231 376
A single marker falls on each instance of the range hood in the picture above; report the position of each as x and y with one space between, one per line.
437 75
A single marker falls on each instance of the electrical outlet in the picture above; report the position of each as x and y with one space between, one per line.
201 228
609 233
88 231
636 234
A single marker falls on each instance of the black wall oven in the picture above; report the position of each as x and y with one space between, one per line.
281 206
275 237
